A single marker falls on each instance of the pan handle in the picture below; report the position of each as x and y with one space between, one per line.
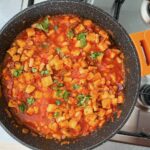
141 41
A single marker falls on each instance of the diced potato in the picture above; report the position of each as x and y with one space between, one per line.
87 23
17 65
51 108
102 46
21 43
64 124
104 95
36 109
29 53
75 52
101 123
12 51
97 83
42 65
16 57
99 58
48 67
51 32
88 110
67 79
97 76
79 28
108 112
103 34
47 81
92 37
53 126
31 61
20 50
77 44
65 50
74 20
120 99
60 118
73 123
12 103
87 47
67 61
58 65
101 113
30 110
30 89
23 58
28 76
83 71
60 38
90 76
106 103
26 67
38 94
30 32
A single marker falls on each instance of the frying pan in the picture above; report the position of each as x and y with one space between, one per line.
132 66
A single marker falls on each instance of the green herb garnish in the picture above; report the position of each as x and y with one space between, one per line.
83 99
34 70
94 55
55 27
44 45
44 72
82 38
56 114
58 102
44 25
17 72
66 95
76 86
59 92
60 84
70 34
22 107
30 100
58 50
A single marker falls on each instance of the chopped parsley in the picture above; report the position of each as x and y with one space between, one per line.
60 84
34 70
94 55
59 92
30 100
83 99
70 34
44 72
44 25
58 102
22 107
56 114
82 38
17 72
76 86
66 95
58 50
55 27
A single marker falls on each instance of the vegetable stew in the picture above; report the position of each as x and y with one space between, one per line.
63 77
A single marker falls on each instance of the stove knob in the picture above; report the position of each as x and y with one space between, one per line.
144 95
145 11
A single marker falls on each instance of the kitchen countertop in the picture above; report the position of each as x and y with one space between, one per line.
7 142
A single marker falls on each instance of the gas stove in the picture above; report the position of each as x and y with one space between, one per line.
134 16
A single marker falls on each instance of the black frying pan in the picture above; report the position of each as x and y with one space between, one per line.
23 20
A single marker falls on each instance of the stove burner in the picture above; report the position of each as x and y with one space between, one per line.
144 95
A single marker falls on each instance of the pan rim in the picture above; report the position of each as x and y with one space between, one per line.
125 34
